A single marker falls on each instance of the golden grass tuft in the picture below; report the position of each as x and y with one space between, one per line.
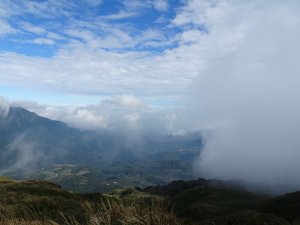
113 212
107 212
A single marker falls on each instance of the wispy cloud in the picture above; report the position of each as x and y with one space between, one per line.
32 28
161 5
135 8
55 36
43 9
43 41
120 15
89 71
6 28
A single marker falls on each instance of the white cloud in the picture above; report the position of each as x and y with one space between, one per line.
42 9
122 114
8 8
117 37
151 34
131 8
201 12
191 36
32 28
161 5
84 34
47 9
120 15
83 69
6 28
113 38
43 41
55 36
246 94
125 101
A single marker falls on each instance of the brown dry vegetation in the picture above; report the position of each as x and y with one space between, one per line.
107 213
41 203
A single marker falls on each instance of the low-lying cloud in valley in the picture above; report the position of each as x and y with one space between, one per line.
122 114
4 107
26 154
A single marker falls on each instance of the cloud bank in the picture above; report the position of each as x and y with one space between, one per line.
247 96
125 114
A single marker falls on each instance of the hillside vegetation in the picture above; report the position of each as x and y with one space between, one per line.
195 202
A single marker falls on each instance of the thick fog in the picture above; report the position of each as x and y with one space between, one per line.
247 97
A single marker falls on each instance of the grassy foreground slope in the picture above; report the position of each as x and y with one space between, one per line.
42 202
199 202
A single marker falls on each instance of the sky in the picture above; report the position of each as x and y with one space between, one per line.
229 68
83 51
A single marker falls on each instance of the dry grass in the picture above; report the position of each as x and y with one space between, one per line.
21 215
134 213
108 212
43 203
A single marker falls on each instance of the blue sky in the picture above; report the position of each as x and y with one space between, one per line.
46 26
80 51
